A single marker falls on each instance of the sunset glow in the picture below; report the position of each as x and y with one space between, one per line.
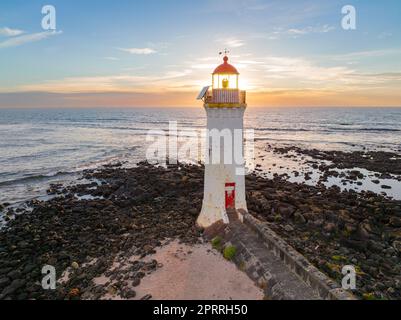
288 53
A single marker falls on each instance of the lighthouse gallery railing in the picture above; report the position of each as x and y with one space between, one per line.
226 96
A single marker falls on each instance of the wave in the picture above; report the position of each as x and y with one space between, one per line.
42 154
380 129
367 129
108 156
37 177
329 129
143 130
284 129
320 142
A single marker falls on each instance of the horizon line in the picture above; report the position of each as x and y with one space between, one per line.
193 107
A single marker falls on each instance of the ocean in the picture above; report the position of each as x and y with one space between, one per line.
42 146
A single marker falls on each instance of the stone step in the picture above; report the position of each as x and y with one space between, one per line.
262 266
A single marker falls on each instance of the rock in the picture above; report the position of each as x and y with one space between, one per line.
74 293
329 227
4 282
375 246
28 268
22 296
145 205
316 209
288 228
13 287
310 216
136 282
286 210
299 218
395 222
75 265
386 187
112 290
397 246
14 274
362 232
148 248
130 294
355 244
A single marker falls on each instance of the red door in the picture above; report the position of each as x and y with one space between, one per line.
230 195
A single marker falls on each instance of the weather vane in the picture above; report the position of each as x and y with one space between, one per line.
225 52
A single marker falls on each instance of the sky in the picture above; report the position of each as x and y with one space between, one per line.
162 52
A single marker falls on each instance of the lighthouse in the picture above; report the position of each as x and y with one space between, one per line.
224 186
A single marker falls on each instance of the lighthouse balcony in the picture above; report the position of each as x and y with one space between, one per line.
225 98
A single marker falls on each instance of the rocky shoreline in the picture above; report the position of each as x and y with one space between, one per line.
385 163
131 213
334 228
124 212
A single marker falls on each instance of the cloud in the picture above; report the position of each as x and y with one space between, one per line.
158 45
111 83
108 100
279 33
366 54
384 35
258 74
300 73
204 66
273 12
299 68
111 58
143 51
231 42
235 43
33 37
259 7
261 72
378 78
10 32
303 31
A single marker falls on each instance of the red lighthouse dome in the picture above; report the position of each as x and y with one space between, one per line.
224 92
225 68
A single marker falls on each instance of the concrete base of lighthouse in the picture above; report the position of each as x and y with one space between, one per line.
224 187
214 207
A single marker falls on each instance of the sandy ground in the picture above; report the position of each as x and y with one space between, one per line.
194 273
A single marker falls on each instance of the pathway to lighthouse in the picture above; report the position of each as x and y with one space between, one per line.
272 264
278 281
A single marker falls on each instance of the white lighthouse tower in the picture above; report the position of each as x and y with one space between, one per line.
225 105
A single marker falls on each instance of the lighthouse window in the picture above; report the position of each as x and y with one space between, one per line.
225 81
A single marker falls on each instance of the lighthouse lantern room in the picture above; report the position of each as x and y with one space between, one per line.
224 186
